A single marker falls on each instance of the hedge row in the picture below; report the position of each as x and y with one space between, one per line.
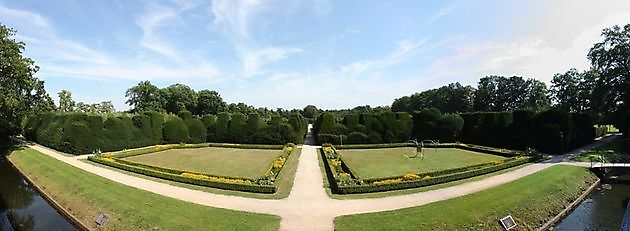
469 147
176 177
364 128
388 127
429 181
80 133
264 184
550 131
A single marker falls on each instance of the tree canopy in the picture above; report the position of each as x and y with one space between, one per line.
21 93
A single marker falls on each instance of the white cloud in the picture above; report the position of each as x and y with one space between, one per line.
156 17
31 18
444 11
537 56
404 50
232 18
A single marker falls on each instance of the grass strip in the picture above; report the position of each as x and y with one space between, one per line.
531 200
86 195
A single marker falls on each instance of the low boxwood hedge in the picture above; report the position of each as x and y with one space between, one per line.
263 185
354 185
426 182
175 177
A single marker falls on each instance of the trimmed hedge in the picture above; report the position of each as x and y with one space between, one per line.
81 133
427 182
175 177
353 185
260 185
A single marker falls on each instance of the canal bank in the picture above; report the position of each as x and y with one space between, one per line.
604 207
21 206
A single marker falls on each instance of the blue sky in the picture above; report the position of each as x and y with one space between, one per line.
333 54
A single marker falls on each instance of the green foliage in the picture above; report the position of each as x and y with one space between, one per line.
21 93
425 123
221 132
196 129
145 97
238 129
449 127
175 130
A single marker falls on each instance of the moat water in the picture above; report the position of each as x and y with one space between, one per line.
21 206
603 209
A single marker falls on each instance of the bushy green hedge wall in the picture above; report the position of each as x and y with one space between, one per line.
524 128
80 133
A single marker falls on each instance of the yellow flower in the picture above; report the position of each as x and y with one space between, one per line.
288 149
411 176
389 181
195 176
106 155
278 163
335 163
108 159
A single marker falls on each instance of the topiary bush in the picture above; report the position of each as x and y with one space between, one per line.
175 130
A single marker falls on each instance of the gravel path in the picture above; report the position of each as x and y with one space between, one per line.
308 207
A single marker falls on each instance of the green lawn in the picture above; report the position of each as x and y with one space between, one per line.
391 162
234 162
87 195
615 151
284 181
531 200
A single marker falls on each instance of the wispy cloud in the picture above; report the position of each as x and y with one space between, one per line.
233 19
156 17
444 11
62 57
404 50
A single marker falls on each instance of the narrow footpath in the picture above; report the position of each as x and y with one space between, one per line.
308 207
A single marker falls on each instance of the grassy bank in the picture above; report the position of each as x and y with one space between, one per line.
531 200
615 151
86 195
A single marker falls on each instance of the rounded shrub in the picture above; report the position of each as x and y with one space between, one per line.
175 130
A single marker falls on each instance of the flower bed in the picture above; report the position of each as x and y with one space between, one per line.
343 181
263 184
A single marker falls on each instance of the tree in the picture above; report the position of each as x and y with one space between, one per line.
66 103
564 90
536 97
179 97
611 58
209 102
486 94
451 98
21 93
145 97
105 107
310 111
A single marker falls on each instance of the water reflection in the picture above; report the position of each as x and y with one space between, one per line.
21 206
603 209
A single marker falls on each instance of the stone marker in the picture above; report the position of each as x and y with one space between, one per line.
102 219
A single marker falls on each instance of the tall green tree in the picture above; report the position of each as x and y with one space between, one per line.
611 58
145 97
66 103
209 102
21 93
310 111
565 91
179 97
486 94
